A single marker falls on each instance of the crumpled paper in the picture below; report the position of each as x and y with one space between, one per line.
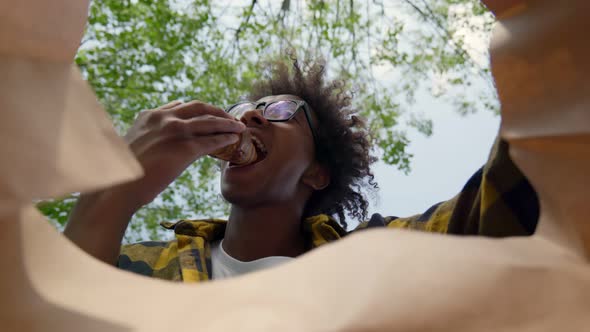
541 64
55 138
372 281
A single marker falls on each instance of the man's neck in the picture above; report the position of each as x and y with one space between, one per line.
255 233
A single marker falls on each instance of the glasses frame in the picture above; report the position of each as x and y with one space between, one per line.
299 103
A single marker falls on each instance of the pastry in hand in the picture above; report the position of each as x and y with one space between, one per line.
243 152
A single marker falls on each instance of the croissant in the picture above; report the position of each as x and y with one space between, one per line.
242 152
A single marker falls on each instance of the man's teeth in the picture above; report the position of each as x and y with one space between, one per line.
259 144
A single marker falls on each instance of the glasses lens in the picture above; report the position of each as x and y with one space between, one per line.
281 110
239 109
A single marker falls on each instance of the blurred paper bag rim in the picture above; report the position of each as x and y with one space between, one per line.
55 138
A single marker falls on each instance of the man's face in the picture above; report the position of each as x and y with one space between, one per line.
277 177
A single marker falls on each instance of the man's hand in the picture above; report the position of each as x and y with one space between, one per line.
168 139
165 141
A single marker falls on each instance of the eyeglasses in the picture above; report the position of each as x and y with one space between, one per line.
276 111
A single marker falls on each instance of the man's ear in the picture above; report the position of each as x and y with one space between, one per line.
316 176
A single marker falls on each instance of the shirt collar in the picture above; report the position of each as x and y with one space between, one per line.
319 229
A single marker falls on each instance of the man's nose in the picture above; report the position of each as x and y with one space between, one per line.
254 117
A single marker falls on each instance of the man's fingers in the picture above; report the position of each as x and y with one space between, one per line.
208 124
204 145
170 105
157 114
196 108
200 126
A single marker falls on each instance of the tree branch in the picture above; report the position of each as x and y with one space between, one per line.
446 35
242 25
246 20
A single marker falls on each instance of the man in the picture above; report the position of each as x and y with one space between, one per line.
314 164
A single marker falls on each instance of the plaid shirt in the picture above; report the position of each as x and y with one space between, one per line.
497 201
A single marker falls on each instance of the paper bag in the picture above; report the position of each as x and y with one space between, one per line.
54 136
541 64
372 281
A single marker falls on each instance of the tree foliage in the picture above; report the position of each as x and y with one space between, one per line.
139 54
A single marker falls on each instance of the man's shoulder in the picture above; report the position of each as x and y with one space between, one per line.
150 258
435 219
148 251
145 246
186 256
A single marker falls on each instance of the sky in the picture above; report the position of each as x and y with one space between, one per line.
442 163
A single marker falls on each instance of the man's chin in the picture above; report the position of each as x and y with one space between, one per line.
238 195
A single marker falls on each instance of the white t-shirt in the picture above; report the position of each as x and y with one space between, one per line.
224 266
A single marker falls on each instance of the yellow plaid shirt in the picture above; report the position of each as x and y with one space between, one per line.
497 201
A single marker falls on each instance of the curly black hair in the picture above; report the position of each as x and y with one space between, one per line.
343 140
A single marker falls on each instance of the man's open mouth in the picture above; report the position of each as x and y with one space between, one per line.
261 152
